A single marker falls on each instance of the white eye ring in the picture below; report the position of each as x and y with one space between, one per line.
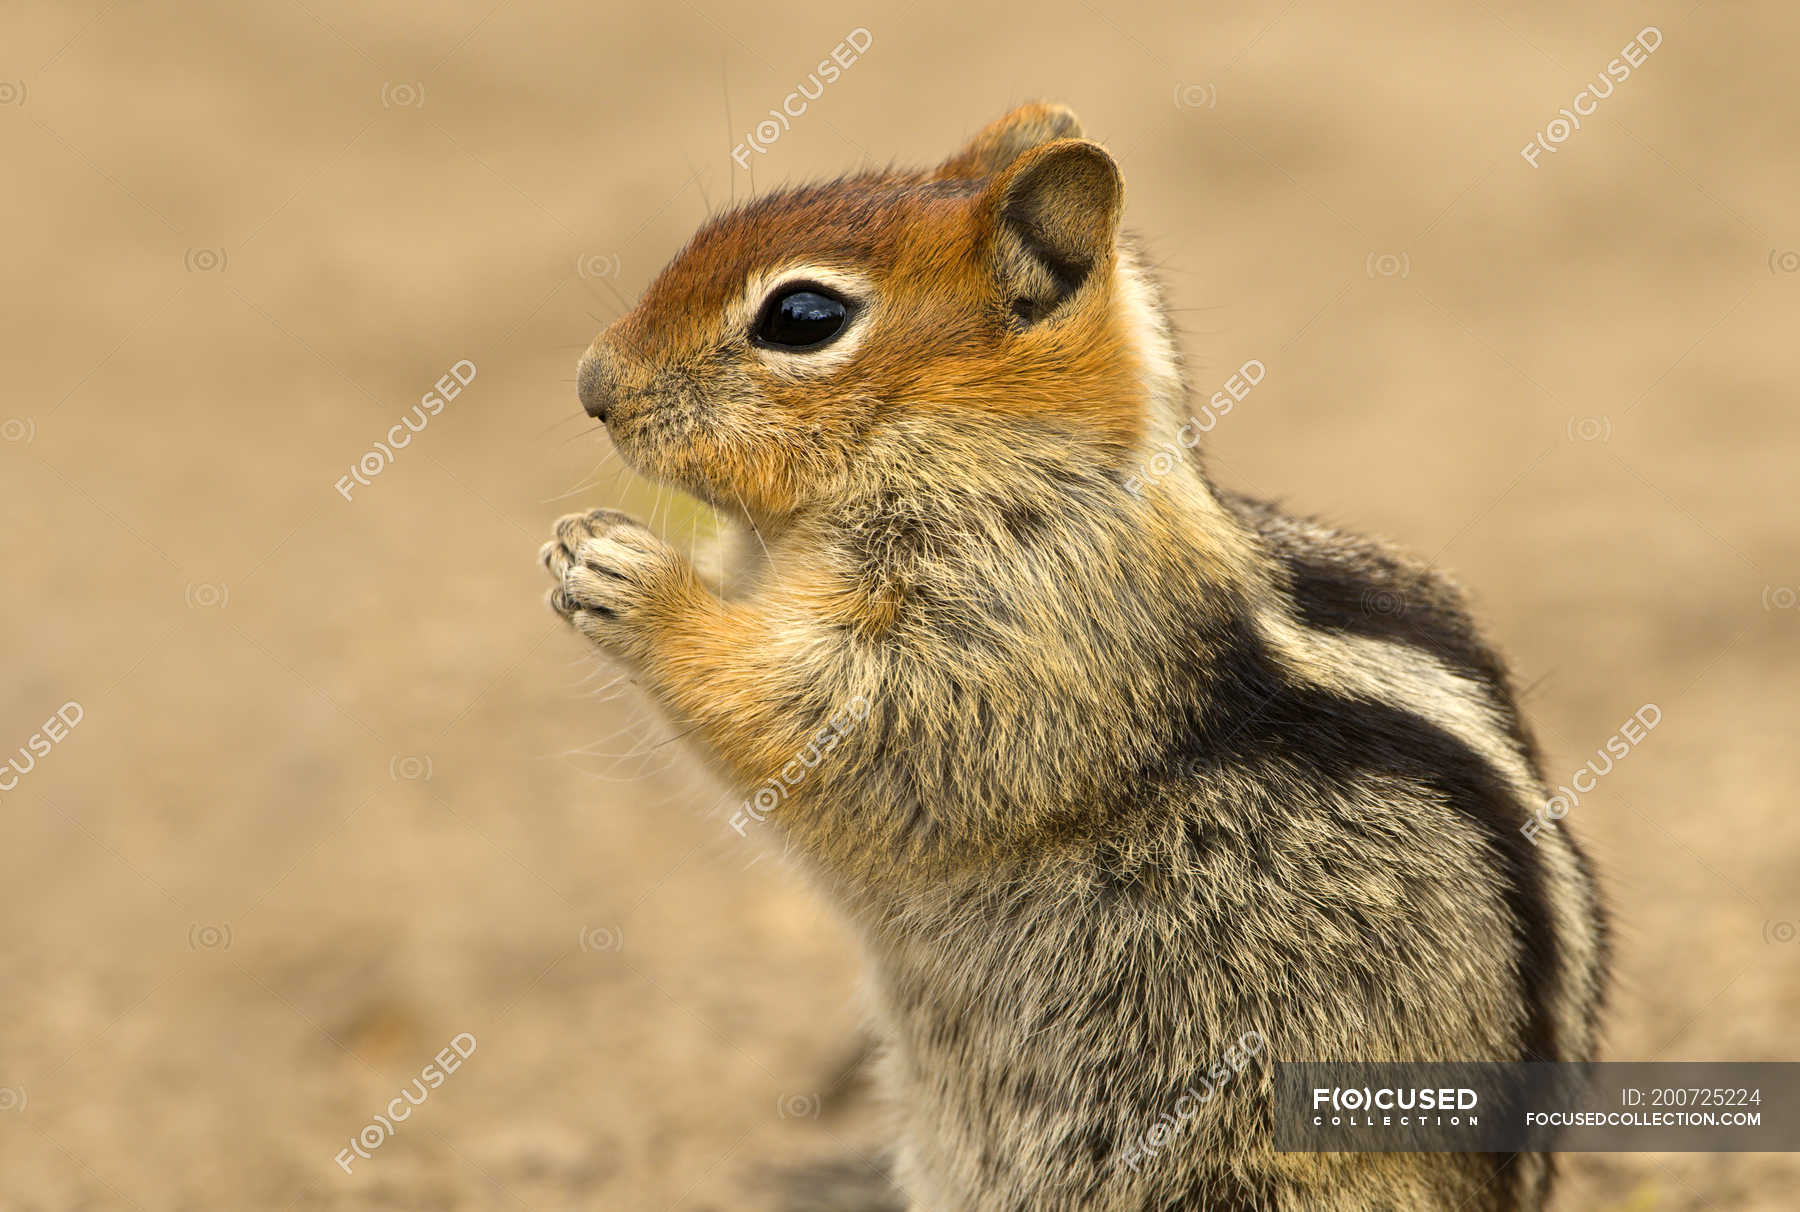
854 291
801 317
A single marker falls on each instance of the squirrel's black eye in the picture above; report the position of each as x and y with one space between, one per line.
802 318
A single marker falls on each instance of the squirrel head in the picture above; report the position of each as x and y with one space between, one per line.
975 303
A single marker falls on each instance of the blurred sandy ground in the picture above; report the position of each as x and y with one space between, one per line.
242 240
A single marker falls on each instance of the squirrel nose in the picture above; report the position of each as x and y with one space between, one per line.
594 384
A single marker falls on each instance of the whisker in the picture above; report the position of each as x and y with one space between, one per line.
592 480
659 508
698 184
561 421
751 522
725 92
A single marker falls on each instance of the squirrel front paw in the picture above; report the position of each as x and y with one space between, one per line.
614 579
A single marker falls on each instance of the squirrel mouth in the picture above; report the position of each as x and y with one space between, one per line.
627 410
640 431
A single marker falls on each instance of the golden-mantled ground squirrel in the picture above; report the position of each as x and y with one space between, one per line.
1119 777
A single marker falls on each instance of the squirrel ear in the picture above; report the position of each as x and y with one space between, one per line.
1055 215
1002 140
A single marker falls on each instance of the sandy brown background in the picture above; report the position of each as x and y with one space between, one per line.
241 240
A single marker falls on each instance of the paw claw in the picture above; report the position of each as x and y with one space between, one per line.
609 569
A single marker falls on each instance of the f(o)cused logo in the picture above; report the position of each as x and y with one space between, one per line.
1198 765
1784 261
208 595
410 767
18 429
405 95
1388 265
1196 96
1384 602
602 938
798 1106
205 260
1780 932
599 265
1780 597
1590 429
12 1098
209 938
12 92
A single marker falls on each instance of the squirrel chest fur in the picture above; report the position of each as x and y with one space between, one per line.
1137 785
